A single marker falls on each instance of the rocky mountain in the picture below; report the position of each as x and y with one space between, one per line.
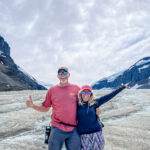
137 76
11 76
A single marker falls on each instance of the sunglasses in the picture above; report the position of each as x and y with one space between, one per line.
84 92
65 72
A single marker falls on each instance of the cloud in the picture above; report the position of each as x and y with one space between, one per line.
94 39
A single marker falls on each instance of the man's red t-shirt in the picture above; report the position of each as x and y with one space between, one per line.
64 103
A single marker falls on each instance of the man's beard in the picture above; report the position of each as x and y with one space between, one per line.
64 80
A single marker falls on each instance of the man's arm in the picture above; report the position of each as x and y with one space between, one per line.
40 108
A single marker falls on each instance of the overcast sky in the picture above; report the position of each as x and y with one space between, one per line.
93 38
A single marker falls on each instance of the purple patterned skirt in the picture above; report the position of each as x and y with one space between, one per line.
92 141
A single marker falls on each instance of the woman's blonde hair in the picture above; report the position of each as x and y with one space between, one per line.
91 101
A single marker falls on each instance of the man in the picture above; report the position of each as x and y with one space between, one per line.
63 99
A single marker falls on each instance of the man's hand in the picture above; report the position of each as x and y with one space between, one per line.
29 102
40 108
98 111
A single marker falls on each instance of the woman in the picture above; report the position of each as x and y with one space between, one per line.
89 126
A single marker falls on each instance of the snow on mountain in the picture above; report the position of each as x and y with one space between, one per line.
26 73
46 85
1 52
114 76
136 86
141 62
143 67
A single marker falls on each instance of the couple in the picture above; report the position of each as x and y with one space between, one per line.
73 107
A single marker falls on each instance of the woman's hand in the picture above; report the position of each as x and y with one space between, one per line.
125 86
98 111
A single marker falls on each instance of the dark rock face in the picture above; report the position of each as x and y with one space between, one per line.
4 47
11 77
137 76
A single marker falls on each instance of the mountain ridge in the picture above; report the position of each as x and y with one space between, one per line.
11 76
137 76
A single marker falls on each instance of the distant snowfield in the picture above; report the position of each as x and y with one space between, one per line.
126 118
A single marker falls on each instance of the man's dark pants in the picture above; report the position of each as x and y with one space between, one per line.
58 137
